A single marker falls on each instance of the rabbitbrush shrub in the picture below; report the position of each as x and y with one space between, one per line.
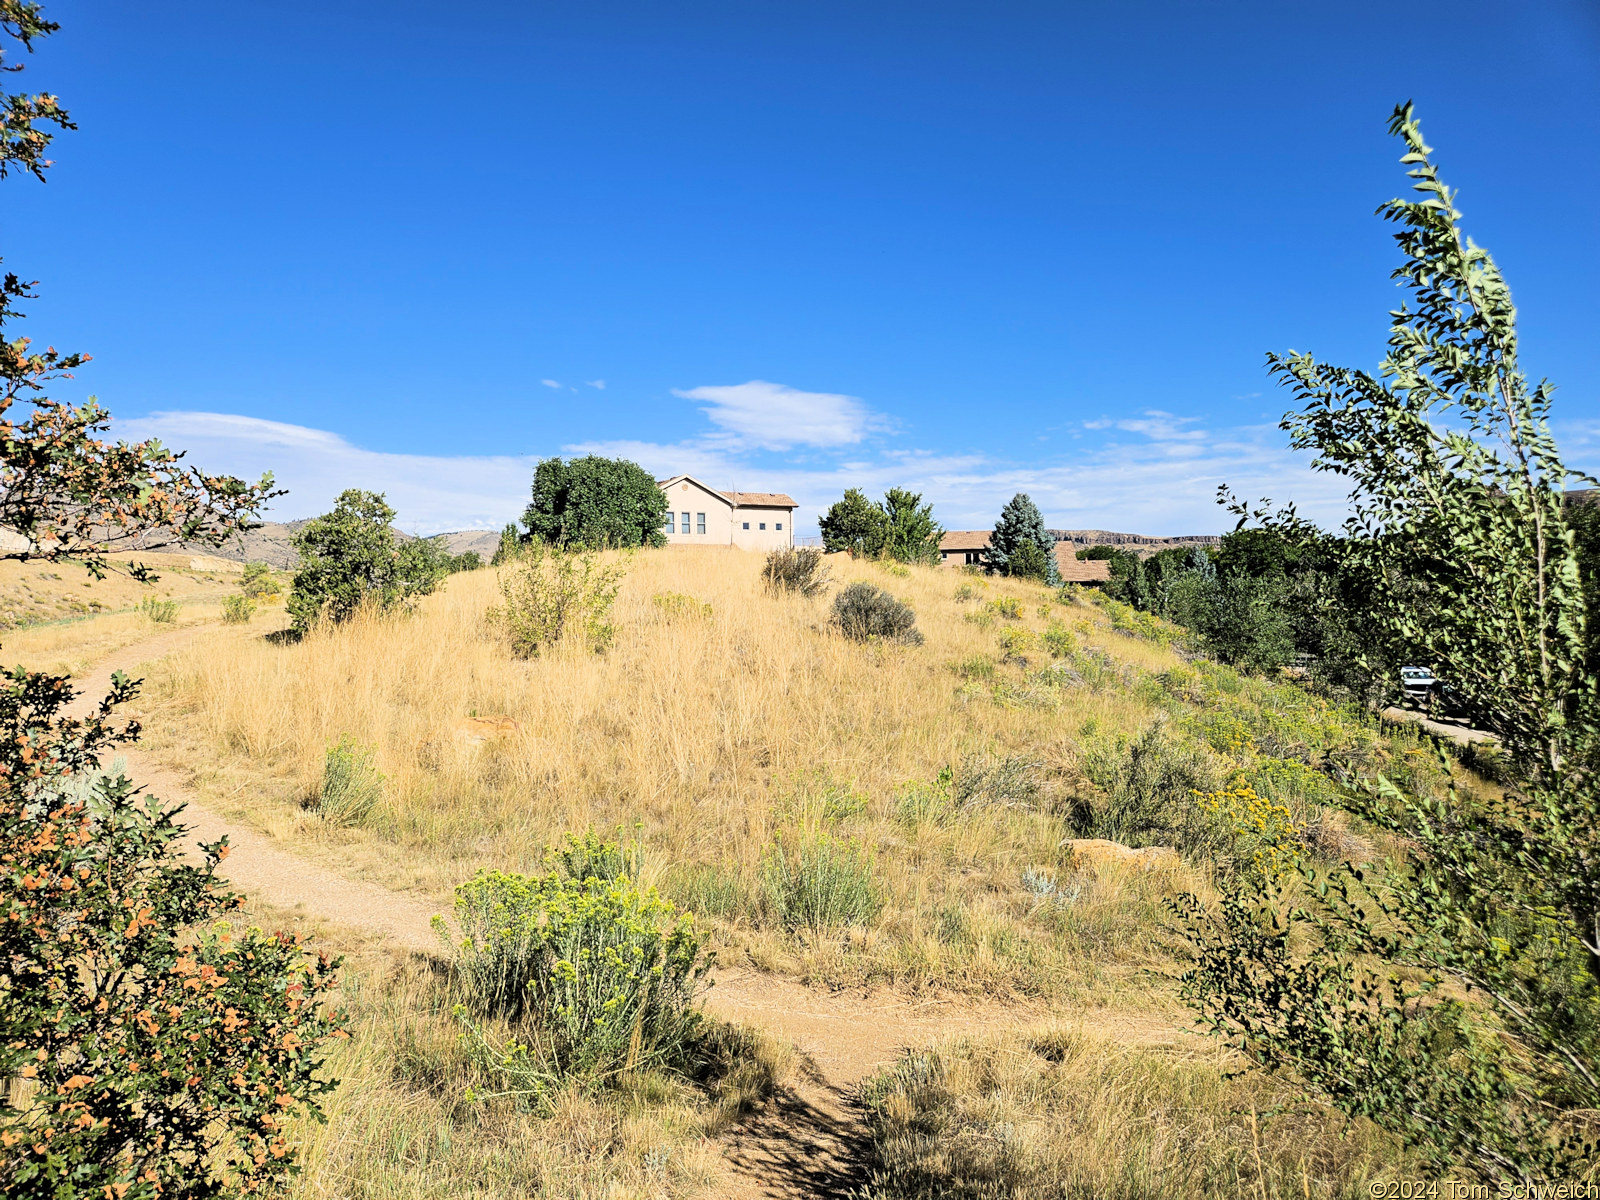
162 612
864 612
237 610
351 785
596 976
795 569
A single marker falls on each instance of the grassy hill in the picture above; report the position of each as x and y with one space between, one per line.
941 793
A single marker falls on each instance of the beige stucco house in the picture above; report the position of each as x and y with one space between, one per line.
699 515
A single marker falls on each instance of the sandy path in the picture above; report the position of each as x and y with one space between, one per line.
809 1142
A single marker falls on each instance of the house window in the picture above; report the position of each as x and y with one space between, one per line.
747 524
672 524
779 525
686 522
763 524
699 522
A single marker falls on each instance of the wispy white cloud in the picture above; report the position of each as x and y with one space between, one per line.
431 493
551 383
1154 473
771 416
598 384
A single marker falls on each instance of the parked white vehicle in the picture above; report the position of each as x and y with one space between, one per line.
1420 685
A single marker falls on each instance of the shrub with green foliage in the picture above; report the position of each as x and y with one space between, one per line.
258 581
237 610
795 569
162 612
819 884
596 503
350 557
596 974
864 613
550 594
1451 994
1148 786
351 787
152 1047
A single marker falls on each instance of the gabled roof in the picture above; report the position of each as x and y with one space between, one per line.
667 484
1073 569
736 499
965 539
760 499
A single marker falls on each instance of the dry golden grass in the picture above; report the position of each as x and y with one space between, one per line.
703 737
1064 1113
57 617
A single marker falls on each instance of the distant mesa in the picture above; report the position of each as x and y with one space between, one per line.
273 543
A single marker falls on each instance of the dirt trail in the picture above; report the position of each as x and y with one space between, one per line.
810 1141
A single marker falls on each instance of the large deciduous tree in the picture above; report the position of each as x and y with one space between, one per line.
596 503
1451 994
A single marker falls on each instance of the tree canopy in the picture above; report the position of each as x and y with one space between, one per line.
854 525
1452 993
1021 525
66 491
596 503
900 526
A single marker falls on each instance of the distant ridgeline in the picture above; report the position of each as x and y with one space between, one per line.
271 543
1135 543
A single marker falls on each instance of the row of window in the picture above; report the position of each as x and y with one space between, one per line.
700 523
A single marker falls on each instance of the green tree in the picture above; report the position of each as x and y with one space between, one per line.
145 1048
1128 582
854 525
508 546
1451 994
1022 524
351 557
910 534
597 503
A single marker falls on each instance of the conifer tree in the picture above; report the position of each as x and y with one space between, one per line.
1022 524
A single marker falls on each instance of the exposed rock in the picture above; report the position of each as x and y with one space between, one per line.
1099 850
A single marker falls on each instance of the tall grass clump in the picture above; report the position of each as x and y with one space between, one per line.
819 884
864 613
595 977
237 610
550 594
795 569
162 612
351 785
1065 1114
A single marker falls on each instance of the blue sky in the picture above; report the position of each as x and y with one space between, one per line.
966 248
